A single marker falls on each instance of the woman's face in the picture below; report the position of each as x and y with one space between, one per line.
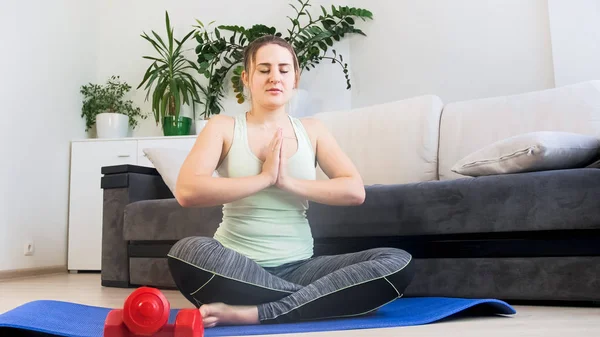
272 77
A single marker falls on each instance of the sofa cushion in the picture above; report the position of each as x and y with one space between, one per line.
547 200
534 151
468 126
165 219
391 143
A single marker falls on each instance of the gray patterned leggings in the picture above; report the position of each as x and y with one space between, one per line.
320 287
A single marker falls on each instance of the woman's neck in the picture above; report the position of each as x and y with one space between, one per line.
267 118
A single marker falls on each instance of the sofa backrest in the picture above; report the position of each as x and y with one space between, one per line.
470 125
391 143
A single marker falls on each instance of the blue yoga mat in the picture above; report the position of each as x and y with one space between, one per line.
70 319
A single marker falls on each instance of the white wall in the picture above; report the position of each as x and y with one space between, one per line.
120 47
47 52
575 31
459 49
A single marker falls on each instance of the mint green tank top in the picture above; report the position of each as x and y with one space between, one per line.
270 227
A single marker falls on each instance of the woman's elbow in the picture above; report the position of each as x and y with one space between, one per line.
182 195
181 198
358 195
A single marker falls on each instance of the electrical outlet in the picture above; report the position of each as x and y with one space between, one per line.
29 248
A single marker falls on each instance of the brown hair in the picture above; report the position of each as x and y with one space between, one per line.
252 48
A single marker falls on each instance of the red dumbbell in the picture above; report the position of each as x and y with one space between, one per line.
146 313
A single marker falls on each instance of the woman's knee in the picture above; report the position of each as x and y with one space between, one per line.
188 249
394 254
401 265
394 259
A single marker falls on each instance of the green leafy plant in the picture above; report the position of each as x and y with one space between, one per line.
173 85
220 49
98 99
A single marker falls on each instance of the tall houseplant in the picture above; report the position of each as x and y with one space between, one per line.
220 49
105 106
173 85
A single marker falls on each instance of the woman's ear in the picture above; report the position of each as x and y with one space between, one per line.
245 78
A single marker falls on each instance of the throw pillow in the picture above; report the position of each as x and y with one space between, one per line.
535 151
167 162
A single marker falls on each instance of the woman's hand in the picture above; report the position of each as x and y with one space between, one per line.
344 186
270 167
283 180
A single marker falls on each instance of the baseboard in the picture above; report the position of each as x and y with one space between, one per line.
29 272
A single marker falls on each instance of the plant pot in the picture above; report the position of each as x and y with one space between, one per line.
200 124
176 127
112 125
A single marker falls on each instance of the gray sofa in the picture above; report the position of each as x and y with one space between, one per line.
531 236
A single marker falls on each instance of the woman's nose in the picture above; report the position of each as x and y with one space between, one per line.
275 78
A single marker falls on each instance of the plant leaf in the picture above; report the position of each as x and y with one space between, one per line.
154 59
159 40
324 11
156 46
169 32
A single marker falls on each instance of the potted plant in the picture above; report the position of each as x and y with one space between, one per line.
312 36
104 106
169 83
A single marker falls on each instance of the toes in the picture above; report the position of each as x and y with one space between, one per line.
210 321
204 310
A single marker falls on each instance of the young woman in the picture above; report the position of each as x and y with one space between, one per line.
259 266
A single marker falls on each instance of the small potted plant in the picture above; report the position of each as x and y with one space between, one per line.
105 107
169 83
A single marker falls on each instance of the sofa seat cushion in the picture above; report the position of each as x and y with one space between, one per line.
536 201
165 219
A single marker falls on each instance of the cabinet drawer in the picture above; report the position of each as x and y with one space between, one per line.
182 144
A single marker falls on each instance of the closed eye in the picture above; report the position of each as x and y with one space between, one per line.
281 71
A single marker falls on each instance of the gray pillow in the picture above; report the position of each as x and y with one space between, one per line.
535 151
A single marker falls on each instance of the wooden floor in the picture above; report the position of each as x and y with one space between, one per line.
529 321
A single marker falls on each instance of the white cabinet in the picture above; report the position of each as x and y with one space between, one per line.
85 195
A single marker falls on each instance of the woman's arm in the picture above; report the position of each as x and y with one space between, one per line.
344 187
196 186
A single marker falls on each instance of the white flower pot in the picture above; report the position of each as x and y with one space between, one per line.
112 125
200 124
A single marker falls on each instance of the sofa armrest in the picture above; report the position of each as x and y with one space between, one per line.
144 183
123 185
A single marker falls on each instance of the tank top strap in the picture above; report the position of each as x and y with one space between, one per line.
239 129
301 133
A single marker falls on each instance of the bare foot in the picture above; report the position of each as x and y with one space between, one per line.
223 314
